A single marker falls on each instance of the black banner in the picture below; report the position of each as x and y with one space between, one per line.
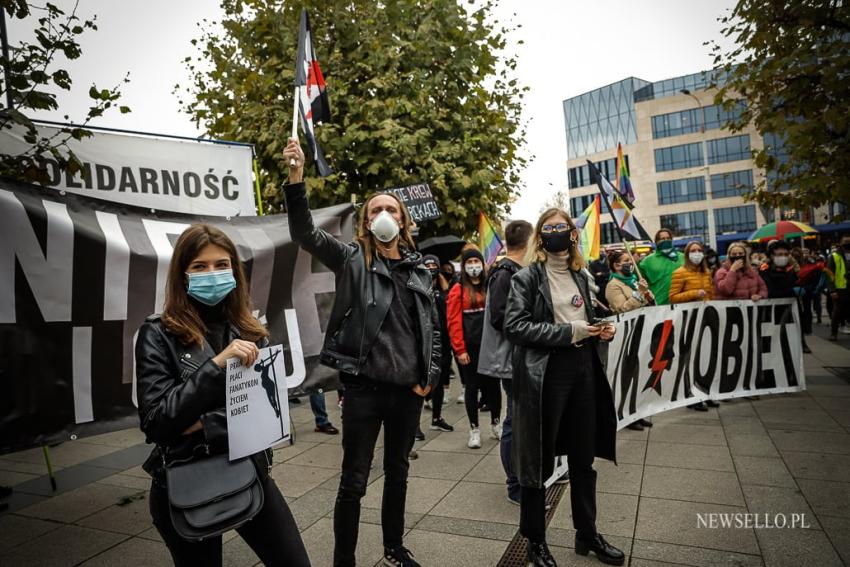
419 201
78 276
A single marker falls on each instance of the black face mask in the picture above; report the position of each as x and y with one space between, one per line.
434 272
448 275
627 269
556 241
733 259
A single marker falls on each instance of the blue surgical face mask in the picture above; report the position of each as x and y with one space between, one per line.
211 287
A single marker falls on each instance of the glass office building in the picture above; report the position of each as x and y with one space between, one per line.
688 170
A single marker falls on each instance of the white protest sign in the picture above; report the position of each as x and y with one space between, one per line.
257 403
197 177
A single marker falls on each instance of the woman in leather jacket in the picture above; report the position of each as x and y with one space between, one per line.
180 382
562 401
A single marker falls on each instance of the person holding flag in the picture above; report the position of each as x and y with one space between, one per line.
383 336
657 268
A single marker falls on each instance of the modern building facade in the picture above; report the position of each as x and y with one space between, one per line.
688 172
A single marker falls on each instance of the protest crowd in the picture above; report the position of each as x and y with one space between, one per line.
520 332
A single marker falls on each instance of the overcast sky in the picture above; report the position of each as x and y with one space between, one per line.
571 46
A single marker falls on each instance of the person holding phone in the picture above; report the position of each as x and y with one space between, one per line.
562 400
180 384
383 336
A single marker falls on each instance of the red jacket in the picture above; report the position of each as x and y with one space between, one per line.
458 303
740 284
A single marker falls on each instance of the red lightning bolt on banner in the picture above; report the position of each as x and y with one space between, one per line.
659 364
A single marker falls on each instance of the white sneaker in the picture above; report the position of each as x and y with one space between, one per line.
474 439
844 330
447 397
460 398
428 404
496 431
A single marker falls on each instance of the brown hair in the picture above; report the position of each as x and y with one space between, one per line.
535 250
476 292
660 230
702 267
180 316
614 257
517 234
367 240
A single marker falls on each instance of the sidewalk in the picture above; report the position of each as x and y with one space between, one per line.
780 454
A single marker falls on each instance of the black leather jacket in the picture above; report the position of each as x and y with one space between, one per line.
363 295
176 385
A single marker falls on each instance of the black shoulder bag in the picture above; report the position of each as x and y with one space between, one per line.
210 495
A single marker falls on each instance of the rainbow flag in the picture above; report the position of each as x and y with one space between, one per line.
488 239
624 186
588 224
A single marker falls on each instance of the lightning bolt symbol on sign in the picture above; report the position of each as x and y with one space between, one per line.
659 363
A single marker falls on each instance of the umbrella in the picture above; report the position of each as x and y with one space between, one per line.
446 248
781 230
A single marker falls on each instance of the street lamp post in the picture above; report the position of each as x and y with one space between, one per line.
709 205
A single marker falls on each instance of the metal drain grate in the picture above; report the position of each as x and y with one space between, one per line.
515 554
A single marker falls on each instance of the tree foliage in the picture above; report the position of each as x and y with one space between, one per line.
791 63
29 80
419 91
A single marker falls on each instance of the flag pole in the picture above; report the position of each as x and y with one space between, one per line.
294 121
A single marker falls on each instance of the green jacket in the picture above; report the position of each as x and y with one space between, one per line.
657 269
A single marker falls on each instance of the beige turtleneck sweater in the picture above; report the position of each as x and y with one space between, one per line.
563 288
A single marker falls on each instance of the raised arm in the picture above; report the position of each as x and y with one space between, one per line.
327 249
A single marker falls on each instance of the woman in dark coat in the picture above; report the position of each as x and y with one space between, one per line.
562 401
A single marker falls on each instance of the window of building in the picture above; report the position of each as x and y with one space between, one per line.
681 190
733 148
687 225
735 219
678 157
607 233
732 184
691 120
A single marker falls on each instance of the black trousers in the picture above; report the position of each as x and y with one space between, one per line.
489 387
272 533
840 309
366 408
569 408
438 393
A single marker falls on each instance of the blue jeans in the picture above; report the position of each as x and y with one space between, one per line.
505 444
320 411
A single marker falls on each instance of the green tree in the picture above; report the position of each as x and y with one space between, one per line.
30 74
790 63
419 91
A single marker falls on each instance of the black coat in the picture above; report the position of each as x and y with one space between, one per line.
363 295
530 326
176 385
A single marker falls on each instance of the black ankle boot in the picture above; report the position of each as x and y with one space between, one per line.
605 552
539 556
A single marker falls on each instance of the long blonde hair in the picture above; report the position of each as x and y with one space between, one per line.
367 240
536 253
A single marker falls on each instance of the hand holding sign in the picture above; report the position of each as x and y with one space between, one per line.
245 351
257 409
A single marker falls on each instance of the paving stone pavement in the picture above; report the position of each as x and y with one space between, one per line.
786 454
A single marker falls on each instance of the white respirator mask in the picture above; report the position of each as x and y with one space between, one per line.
384 227
474 270
696 257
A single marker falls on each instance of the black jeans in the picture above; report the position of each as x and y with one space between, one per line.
569 408
840 309
489 388
438 393
272 533
506 442
368 405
